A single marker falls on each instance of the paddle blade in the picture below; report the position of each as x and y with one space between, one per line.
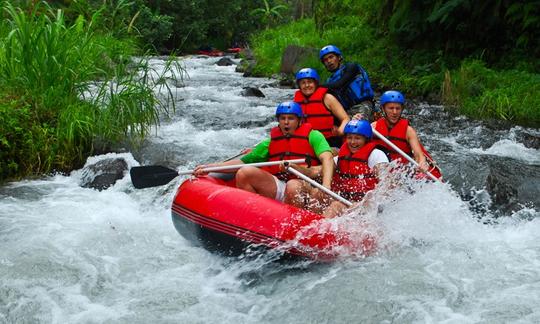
151 176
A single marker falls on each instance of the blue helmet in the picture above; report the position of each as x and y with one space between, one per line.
392 96
307 73
329 49
359 127
289 107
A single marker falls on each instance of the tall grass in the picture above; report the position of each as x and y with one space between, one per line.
47 71
485 93
271 43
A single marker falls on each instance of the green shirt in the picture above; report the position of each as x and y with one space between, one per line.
260 152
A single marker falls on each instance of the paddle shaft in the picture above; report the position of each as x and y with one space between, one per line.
405 155
319 186
238 166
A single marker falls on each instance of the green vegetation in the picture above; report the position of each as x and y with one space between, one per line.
480 57
178 26
67 91
483 92
269 15
70 84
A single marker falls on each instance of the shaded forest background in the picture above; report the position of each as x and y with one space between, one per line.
499 31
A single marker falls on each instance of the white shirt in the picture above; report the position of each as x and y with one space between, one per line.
377 156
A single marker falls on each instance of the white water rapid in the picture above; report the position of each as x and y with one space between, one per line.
76 255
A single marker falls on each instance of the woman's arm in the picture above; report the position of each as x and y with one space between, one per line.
337 110
414 143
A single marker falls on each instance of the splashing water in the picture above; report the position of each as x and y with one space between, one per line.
77 255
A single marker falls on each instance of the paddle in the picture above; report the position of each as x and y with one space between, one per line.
318 185
155 175
243 152
405 155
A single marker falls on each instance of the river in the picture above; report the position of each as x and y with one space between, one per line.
450 253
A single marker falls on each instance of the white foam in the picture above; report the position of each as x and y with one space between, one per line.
70 254
509 148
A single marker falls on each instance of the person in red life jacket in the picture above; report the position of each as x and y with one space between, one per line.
400 133
321 109
291 139
359 165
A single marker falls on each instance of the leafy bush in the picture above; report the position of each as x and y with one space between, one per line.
271 43
485 93
63 89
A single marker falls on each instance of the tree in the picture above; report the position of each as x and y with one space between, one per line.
269 15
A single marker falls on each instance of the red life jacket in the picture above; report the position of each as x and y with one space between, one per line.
289 147
353 178
315 112
398 136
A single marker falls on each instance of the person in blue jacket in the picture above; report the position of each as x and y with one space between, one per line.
349 82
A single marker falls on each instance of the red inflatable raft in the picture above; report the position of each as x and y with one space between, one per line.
211 53
213 213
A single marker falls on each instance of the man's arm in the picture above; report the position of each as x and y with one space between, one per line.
327 161
349 73
198 171
258 154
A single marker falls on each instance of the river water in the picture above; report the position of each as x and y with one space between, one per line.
448 252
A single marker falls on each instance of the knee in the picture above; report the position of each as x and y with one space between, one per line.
294 193
335 209
244 174
293 187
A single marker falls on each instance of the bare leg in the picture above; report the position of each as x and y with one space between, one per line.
299 193
295 193
255 180
335 209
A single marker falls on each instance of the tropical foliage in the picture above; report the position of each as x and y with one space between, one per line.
478 56
268 14
66 91
178 26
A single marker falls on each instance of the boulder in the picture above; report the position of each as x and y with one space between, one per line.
103 174
252 92
246 67
225 61
293 56
247 53
529 139
286 81
510 184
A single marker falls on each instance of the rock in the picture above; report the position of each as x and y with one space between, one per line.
247 53
103 174
248 72
252 92
529 140
287 82
225 61
510 184
293 56
246 67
